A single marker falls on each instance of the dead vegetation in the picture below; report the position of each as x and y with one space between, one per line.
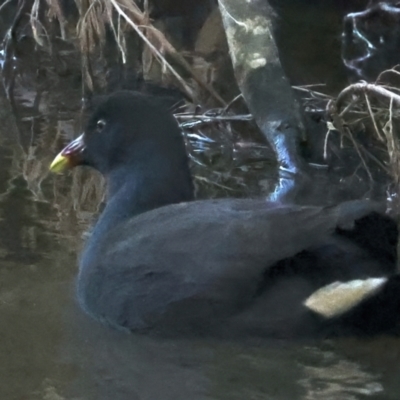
363 115
120 17
366 116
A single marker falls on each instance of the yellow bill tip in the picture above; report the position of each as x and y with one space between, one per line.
70 156
59 164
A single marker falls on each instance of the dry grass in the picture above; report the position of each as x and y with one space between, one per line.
361 107
120 16
371 108
371 105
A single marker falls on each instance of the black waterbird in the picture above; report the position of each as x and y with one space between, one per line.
159 261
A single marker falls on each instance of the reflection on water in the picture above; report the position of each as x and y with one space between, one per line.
335 378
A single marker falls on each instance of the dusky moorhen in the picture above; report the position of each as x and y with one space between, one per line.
158 261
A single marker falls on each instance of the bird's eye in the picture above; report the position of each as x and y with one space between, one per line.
100 125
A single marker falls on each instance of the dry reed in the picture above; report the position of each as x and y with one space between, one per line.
120 16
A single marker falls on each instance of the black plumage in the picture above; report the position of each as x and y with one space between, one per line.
158 261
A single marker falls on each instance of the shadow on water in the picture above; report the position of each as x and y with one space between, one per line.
50 350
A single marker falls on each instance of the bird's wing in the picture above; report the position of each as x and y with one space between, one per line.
220 247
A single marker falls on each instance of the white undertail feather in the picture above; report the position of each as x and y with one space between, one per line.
338 297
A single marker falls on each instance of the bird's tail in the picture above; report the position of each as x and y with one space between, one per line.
363 307
351 211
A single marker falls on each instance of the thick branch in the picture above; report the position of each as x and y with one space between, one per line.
269 96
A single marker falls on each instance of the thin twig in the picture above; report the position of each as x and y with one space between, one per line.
326 144
371 114
206 118
391 70
229 105
4 4
153 48
356 146
313 92
363 87
348 107
172 52
206 180
374 159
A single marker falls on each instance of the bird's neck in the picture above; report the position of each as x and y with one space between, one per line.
139 187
